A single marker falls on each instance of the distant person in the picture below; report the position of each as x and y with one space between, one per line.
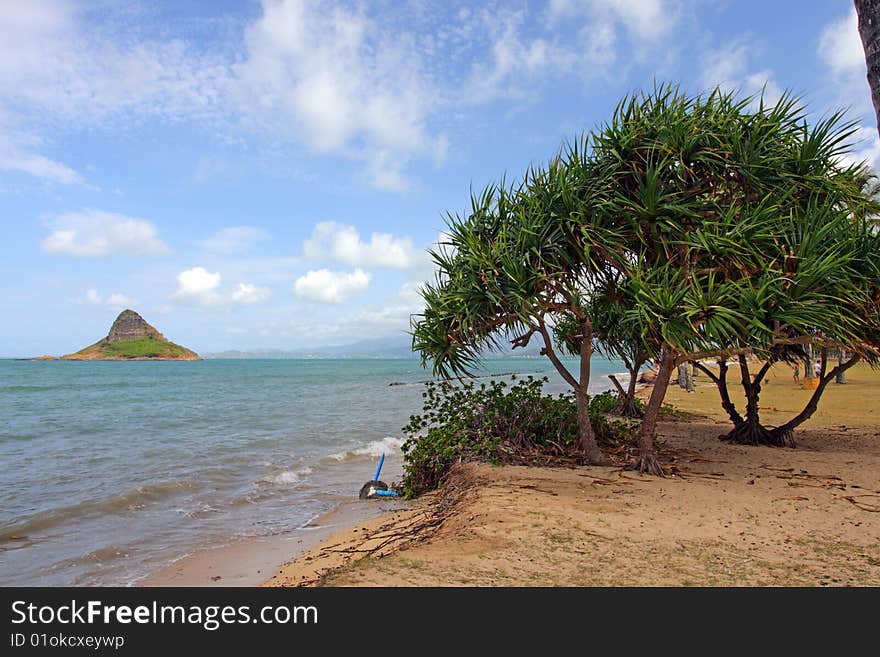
797 375
817 369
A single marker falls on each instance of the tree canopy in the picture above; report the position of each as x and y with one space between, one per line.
704 225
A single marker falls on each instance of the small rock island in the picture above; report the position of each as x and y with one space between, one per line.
132 338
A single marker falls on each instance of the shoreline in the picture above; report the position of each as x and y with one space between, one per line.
256 560
251 561
727 515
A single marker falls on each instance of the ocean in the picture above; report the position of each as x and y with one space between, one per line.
112 470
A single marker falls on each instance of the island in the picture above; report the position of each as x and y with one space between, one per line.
132 338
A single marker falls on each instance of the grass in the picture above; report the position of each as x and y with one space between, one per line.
148 347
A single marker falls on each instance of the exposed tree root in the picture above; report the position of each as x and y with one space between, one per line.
647 463
754 433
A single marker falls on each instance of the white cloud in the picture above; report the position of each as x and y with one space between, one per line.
840 50
20 158
334 79
234 239
328 286
248 293
866 148
198 285
116 300
342 243
96 234
86 73
235 330
202 287
840 45
727 67
516 61
645 19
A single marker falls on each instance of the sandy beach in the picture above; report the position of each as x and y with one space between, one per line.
725 515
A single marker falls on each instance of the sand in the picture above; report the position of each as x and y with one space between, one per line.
726 516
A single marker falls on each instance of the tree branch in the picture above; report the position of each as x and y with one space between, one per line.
551 354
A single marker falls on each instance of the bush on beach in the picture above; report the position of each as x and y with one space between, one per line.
497 423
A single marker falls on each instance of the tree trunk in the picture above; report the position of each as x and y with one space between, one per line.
647 461
620 391
841 375
586 435
721 382
626 405
750 431
786 431
869 29
808 362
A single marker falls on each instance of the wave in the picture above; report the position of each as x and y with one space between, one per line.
130 500
371 450
288 476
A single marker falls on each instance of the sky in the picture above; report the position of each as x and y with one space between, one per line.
269 175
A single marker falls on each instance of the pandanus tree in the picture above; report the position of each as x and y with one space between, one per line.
717 200
811 290
506 271
712 225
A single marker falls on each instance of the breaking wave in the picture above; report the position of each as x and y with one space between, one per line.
372 450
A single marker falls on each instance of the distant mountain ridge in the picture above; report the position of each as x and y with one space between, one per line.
377 348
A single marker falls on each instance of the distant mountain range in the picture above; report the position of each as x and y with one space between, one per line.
378 348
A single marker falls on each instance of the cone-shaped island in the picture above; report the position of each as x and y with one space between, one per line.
132 338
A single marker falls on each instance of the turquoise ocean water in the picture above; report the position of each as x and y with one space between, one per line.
112 470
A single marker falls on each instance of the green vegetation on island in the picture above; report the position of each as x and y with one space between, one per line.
145 348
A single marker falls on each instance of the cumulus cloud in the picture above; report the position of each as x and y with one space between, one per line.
234 239
342 243
249 293
97 234
116 301
327 286
198 285
202 287
331 77
840 45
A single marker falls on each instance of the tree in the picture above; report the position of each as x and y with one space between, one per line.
737 219
506 271
708 226
868 12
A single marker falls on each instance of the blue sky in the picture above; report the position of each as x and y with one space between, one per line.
267 175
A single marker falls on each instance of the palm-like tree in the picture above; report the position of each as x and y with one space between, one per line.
505 273
713 226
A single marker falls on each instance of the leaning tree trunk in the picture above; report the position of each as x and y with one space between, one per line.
721 383
785 432
626 399
647 461
750 431
869 29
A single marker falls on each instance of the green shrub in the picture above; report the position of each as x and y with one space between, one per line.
491 422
